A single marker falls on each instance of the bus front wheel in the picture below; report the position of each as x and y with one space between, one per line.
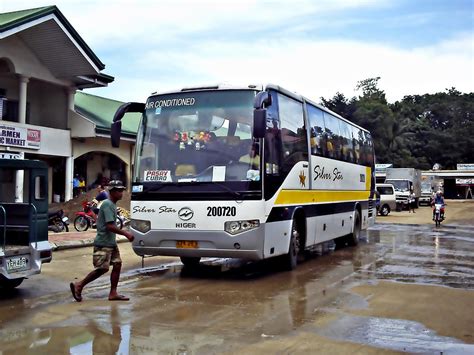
291 259
189 261
9 284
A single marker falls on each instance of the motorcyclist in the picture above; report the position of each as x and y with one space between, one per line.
102 195
438 199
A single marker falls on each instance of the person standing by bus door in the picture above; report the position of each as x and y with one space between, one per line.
106 251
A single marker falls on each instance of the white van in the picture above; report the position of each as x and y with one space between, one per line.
388 201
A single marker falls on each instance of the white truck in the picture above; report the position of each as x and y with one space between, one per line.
403 180
426 193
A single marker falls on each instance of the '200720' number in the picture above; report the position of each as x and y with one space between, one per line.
221 211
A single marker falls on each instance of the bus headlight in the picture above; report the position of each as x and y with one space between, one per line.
140 225
236 227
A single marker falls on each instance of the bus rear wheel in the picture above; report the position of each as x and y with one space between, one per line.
353 238
190 261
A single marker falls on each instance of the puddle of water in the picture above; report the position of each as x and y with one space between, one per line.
393 334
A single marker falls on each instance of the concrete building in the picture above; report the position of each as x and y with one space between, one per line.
43 63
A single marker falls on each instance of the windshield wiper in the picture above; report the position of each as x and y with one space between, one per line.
235 193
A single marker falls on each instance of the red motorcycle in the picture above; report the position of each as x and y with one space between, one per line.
87 218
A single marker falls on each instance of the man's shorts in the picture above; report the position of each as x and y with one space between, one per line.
104 256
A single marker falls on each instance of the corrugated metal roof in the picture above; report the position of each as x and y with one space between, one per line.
101 111
10 18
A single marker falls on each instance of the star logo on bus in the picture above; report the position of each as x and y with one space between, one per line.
302 179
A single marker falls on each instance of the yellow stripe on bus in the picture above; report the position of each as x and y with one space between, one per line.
290 197
368 178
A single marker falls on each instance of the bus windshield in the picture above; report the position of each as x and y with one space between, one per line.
203 136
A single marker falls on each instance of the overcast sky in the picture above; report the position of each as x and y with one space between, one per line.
315 48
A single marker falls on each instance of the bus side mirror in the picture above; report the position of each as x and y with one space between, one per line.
115 132
116 126
259 122
263 99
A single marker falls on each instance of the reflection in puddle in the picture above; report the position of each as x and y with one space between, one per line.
393 334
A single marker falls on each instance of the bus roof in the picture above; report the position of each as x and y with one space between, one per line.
302 98
225 86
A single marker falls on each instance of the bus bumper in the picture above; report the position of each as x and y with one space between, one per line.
247 245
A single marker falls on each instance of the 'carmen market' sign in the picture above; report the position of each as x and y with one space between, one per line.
21 137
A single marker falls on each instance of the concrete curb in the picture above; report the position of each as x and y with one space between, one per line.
73 244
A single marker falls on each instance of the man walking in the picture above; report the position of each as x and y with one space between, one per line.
106 251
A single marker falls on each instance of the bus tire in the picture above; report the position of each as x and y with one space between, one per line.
8 284
290 260
353 238
190 261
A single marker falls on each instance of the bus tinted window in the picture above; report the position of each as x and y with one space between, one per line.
316 122
333 137
293 133
367 153
347 153
356 141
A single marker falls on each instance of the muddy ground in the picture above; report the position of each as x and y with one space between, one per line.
407 287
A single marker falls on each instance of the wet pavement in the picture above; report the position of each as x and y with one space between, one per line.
403 289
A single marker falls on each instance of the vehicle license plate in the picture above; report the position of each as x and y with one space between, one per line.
65 219
190 244
18 263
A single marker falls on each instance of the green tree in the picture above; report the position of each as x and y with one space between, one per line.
417 131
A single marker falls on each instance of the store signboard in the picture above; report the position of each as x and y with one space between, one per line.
12 155
465 166
464 181
21 137
382 168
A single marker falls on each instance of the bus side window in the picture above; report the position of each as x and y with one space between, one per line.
293 132
346 141
370 149
316 121
356 142
333 137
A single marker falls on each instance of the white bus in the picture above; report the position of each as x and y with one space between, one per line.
246 172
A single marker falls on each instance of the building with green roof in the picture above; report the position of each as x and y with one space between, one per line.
44 66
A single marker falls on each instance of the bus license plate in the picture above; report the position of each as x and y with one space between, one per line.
19 263
189 244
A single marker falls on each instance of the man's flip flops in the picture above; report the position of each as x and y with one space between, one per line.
119 298
77 296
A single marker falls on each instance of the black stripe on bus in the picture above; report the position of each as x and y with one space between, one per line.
286 213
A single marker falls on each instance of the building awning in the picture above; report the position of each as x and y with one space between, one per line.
450 174
56 43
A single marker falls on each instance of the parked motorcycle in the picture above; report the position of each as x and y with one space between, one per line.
87 218
58 222
438 213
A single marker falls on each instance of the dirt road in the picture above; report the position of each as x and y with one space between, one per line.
405 288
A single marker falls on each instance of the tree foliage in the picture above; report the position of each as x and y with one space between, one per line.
417 131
